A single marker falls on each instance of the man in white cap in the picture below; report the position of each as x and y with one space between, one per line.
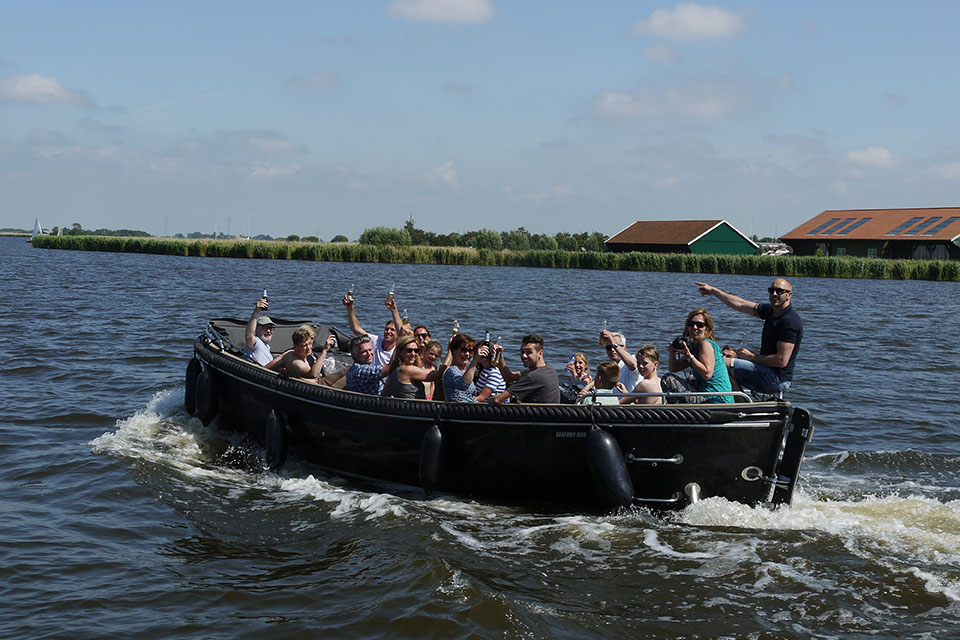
256 345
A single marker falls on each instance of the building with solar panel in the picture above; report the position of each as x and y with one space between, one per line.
917 234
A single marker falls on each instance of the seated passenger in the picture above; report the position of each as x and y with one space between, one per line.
364 376
458 378
430 354
489 380
616 346
256 344
579 368
537 383
382 346
648 359
607 383
407 375
696 350
294 363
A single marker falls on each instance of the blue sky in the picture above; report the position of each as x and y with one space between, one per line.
325 118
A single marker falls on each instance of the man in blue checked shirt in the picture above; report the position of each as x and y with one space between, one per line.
364 376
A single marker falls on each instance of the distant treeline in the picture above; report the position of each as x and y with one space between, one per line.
517 240
816 266
76 230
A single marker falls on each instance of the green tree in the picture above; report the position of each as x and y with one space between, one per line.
544 242
293 238
566 242
518 240
340 238
384 236
488 239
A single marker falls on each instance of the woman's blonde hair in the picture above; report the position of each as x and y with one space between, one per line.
402 342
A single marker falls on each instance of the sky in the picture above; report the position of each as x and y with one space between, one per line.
329 117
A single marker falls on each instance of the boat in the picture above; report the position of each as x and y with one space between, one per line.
37 229
575 456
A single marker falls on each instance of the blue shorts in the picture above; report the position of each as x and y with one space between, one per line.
758 377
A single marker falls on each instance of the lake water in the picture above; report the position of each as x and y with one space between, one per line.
124 517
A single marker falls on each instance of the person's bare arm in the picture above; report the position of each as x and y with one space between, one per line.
391 304
352 316
734 302
775 360
250 336
508 376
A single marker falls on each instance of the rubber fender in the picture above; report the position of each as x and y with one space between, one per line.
431 454
609 470
206 396
190 386
276 440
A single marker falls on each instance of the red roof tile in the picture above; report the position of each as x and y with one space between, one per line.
881 224
664 231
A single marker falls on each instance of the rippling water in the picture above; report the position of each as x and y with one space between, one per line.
124 517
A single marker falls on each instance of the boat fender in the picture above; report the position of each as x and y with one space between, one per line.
190 386
206 400
276 440
609 470
431 451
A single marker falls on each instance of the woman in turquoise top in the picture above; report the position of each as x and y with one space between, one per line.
702 355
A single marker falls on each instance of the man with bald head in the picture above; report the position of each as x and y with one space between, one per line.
770 371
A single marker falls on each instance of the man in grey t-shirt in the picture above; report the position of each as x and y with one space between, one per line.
256 346
538 383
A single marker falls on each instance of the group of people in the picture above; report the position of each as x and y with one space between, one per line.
405 362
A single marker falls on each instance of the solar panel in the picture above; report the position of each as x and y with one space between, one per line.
910 222
923 225
822 227
854 226
838 226
940 227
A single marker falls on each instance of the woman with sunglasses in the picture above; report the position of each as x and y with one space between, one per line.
458 378
702 356
407 375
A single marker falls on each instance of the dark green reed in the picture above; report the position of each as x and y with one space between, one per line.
815 266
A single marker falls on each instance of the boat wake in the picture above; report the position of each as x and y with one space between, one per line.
898 512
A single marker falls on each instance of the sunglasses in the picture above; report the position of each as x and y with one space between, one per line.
698 325
777 290
466 350
413 350
421 336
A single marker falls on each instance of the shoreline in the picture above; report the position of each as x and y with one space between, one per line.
784 266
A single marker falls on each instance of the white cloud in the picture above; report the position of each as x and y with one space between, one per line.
265 170
98 127
699 98
319 79
535 196
562 191
949 171
444 174
463 11
690 21
36 89
665 182
872 157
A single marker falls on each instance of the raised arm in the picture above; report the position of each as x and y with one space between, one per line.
391 304
250 335
352 316
498 362
734 302
616 340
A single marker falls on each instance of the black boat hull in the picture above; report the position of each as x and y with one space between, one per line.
582 456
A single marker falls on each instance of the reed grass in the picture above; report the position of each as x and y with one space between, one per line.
786 266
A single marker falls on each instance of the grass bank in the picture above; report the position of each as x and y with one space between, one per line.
832 267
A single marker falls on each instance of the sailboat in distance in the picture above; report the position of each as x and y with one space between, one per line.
37 229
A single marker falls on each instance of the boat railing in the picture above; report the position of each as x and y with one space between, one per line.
738 396
218 338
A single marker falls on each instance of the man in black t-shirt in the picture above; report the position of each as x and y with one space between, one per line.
770 371
538 383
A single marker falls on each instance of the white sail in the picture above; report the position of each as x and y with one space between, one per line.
37 229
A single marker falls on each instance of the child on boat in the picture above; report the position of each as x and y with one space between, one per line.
648 359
